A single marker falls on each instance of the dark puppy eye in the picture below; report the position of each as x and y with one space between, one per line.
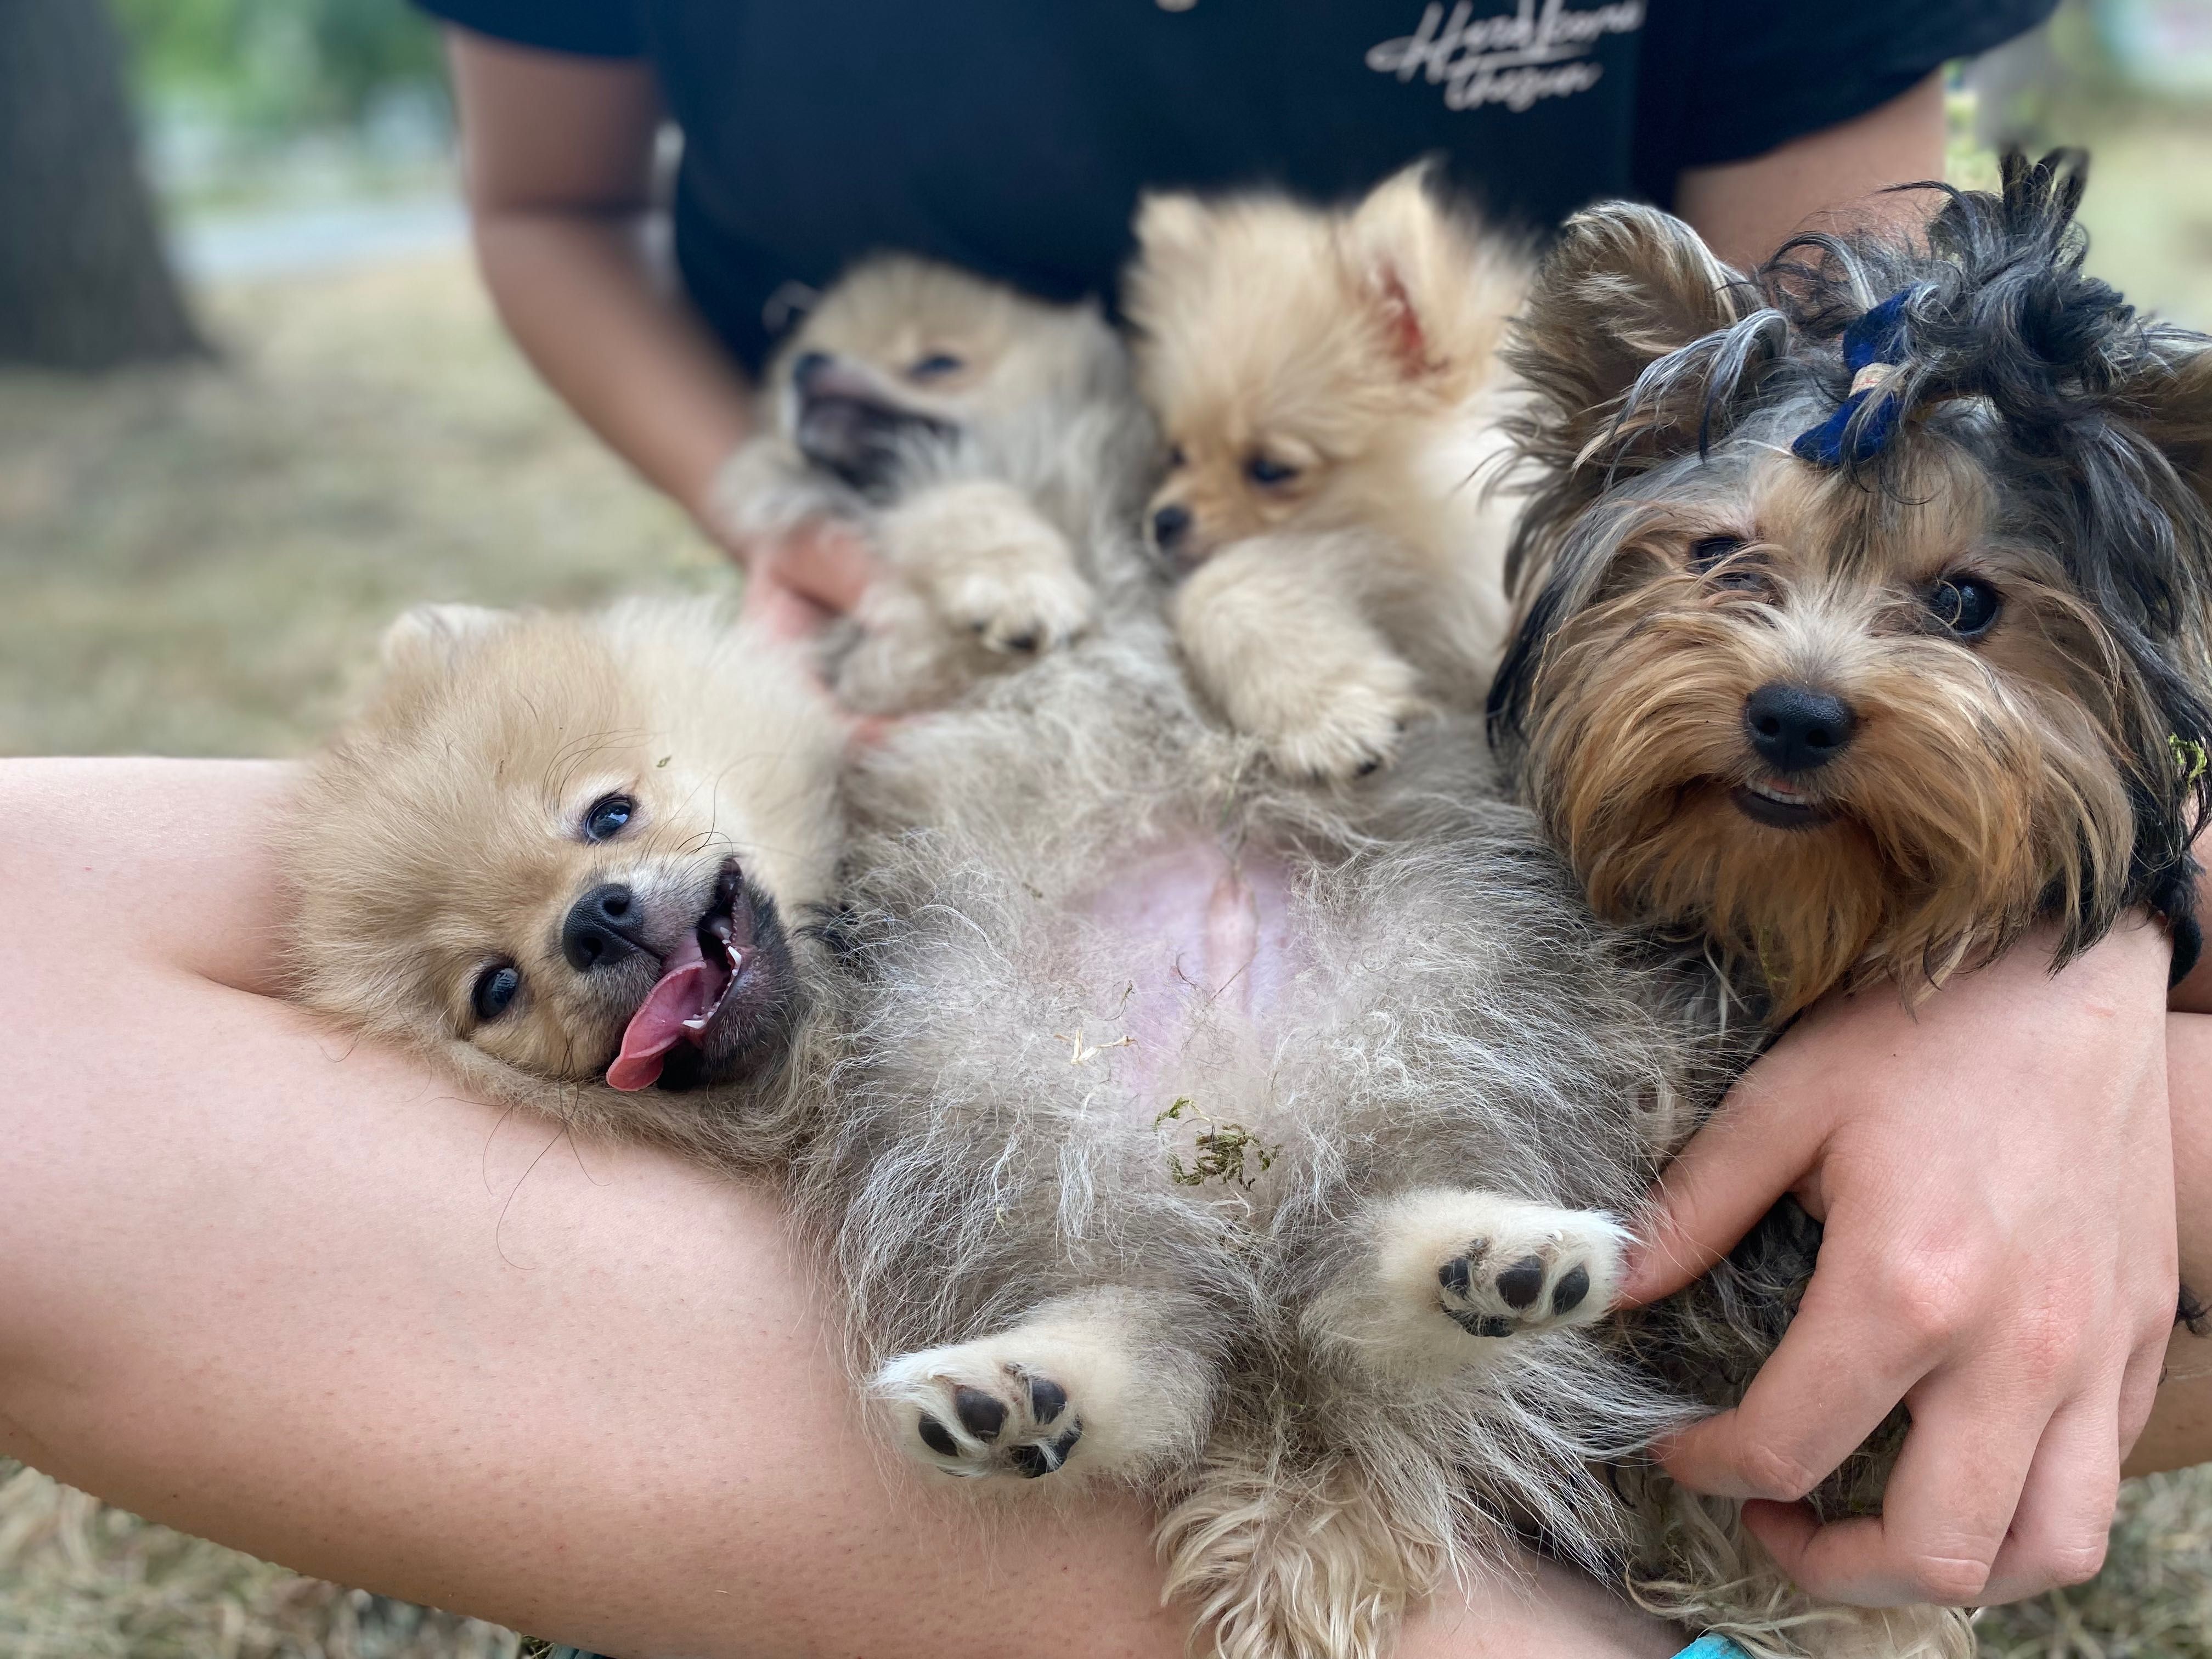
1176 458
935 366
609 817
1267 473
1711 550
1965 605
494 989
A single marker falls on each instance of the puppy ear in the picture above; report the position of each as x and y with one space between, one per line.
1172 226
1624 286
2168 399
1635 341
432 638
1396 238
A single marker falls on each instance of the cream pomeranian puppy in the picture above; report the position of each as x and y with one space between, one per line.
890 411
1160 1127
556 853
1329 384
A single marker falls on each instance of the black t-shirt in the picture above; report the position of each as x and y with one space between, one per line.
1013 136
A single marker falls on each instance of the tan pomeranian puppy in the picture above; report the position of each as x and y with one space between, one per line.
1329 384
571 858
889 411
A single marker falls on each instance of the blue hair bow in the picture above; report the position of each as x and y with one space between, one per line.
1872 346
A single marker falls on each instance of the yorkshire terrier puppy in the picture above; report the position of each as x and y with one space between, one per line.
1330 385
1869 633
887 411
1872 623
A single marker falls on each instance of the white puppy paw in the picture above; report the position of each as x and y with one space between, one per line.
1446 1264
1018 601
1332 726
1096 1384
980 1409
993 569
893 657
1524 1268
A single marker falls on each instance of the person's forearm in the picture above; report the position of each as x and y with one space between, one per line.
579 294
1747 209
558 152
2179 1433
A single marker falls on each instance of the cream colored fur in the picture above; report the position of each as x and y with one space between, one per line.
1353 353
978 576
440 834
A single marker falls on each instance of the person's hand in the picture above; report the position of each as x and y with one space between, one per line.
1996 1173
797 583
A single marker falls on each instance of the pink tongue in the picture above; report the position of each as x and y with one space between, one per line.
688 990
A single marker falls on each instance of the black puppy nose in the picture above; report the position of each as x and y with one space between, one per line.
809 369
1169 524
1795 729
597 934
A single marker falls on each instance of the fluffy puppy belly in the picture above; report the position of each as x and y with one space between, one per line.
1198 937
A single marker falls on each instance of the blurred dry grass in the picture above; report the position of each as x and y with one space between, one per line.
191 559
2149 211
197 563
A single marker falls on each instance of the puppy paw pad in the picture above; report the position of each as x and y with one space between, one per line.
1510 1286
1021 612
1351 731
981 1419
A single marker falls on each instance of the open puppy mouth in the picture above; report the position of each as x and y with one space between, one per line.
697 975
858 436
1776 805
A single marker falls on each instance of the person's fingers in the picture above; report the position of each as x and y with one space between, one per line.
2146 1369
2064 1521
826 563
1836 1374
1945 1512
1716 1190
866 731
769 606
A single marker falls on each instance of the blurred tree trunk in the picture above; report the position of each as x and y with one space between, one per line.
84 279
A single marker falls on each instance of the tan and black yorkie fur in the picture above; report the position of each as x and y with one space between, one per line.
1871 620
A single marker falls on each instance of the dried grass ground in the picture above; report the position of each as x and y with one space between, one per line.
191 559
195 562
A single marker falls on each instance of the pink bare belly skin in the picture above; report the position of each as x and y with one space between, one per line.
1203 942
